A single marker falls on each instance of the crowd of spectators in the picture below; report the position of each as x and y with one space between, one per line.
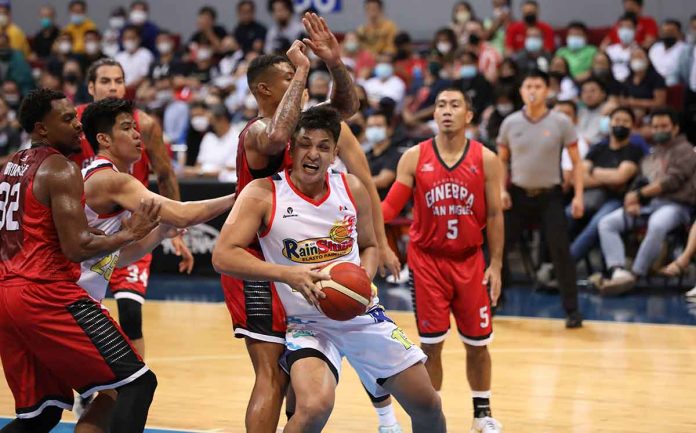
614 85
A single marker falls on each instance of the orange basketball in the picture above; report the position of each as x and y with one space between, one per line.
348 292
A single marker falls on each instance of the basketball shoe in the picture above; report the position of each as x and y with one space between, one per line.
396 428
486 425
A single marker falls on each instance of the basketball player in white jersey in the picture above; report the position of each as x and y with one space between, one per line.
111 193
309 215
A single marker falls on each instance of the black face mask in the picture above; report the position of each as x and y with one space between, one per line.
321 97
557 75
620 132
356 129
71 78
5 53
669 41
530 19
474 39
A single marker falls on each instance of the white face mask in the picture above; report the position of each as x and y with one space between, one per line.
639 65
164 47
64 47
91 47
204 54
375 134
138 17
117 22
200 123
4 20
130 45
444 47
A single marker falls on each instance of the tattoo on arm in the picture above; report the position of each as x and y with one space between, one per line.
343 96
282 125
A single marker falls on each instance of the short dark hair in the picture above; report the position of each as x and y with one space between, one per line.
380 113
531 2
380 3
629 16
673 22
289 5
100 117
94 68
131 28
77 3
638 2
93 32
596 81
537 73
207 9
665 111
321 117
142 3
570 103
260 65
452 88
577 25
220 111
246 3
35 106
624 109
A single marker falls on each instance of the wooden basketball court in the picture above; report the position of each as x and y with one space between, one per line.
606 377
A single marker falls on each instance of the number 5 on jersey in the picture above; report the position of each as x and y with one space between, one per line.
452 229
9 204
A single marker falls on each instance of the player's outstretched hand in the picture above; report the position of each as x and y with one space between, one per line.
298 55
304 280
492 279
181 250
145 219
388 263
321 40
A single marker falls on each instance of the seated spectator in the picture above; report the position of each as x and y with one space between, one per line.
168 63
474 84
112 35
603 71
43 39
620 52
93 49
570 109
644 89
493 116
360 60
10 134
138 17
202 69
249 33
419 107
679 266
50 80
444 46
489 57
610 167
286 27
562 87
61 52
577 52
74 83
462 13
496 26
12 95
384 84
217 157
687 77
208 29
14 67
378 32
518 32
382 152
646 26
665 53
408 64
199 125
663 197
533 56
18 40
135 58
318 86
79 24
593 97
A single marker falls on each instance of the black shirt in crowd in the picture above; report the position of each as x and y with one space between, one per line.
200 37
479 90
10 140
645 89
388 159
43 41
246 34
603 156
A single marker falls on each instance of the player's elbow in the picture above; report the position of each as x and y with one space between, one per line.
222 257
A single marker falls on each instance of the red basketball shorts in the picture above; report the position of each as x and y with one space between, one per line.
53 339
131 282
443 284
255 308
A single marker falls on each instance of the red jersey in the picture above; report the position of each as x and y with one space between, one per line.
140 170
449 203
29 245
246 174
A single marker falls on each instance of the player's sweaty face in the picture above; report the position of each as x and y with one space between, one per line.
127 144
64 128
313 151
451 111
109 83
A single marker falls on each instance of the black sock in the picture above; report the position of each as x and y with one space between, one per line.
482 407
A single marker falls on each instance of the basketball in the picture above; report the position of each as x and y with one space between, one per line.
348 292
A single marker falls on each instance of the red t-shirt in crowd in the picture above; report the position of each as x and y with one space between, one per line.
517 32
647 26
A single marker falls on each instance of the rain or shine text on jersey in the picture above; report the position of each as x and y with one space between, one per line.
305 231
96 272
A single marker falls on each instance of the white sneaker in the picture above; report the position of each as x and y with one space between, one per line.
486 425
403 277
621 281
691 293
545 273
396 428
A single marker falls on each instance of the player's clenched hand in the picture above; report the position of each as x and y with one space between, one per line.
505 200
321 40
298 55
304 280
181 250
388 262
491 278
145 219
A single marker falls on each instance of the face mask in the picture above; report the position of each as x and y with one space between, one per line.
530 19
620 132
164 96
91 47
351 46
498 12
600 72
4 20
321 97
204 54
557 75
639 65
375 134
384 70
130 45
662 137
71 78
467 71
474 39
504 109
605 125
533 44
462 16
46 22
117 22
65 47
164 47
77 19
12 99
138 17
356 129
200 123
626 35
575 42
669 41
444 47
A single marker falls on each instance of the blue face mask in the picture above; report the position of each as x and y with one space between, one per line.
384 70
467 71
46 22
626 35
375 134
605 125
77 19
533 44
576 42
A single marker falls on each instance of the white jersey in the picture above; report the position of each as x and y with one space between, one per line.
304 231
96 272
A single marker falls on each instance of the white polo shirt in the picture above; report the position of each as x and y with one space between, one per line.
219 154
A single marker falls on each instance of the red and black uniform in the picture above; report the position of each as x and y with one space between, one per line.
254 306
129 282
444 253
53 337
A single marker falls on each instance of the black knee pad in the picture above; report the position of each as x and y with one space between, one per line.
43 423
130 316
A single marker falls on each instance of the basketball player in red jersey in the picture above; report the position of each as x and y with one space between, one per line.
105 78
278 83
455 185
53 337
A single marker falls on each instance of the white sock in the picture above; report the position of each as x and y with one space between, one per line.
481 394
386 415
